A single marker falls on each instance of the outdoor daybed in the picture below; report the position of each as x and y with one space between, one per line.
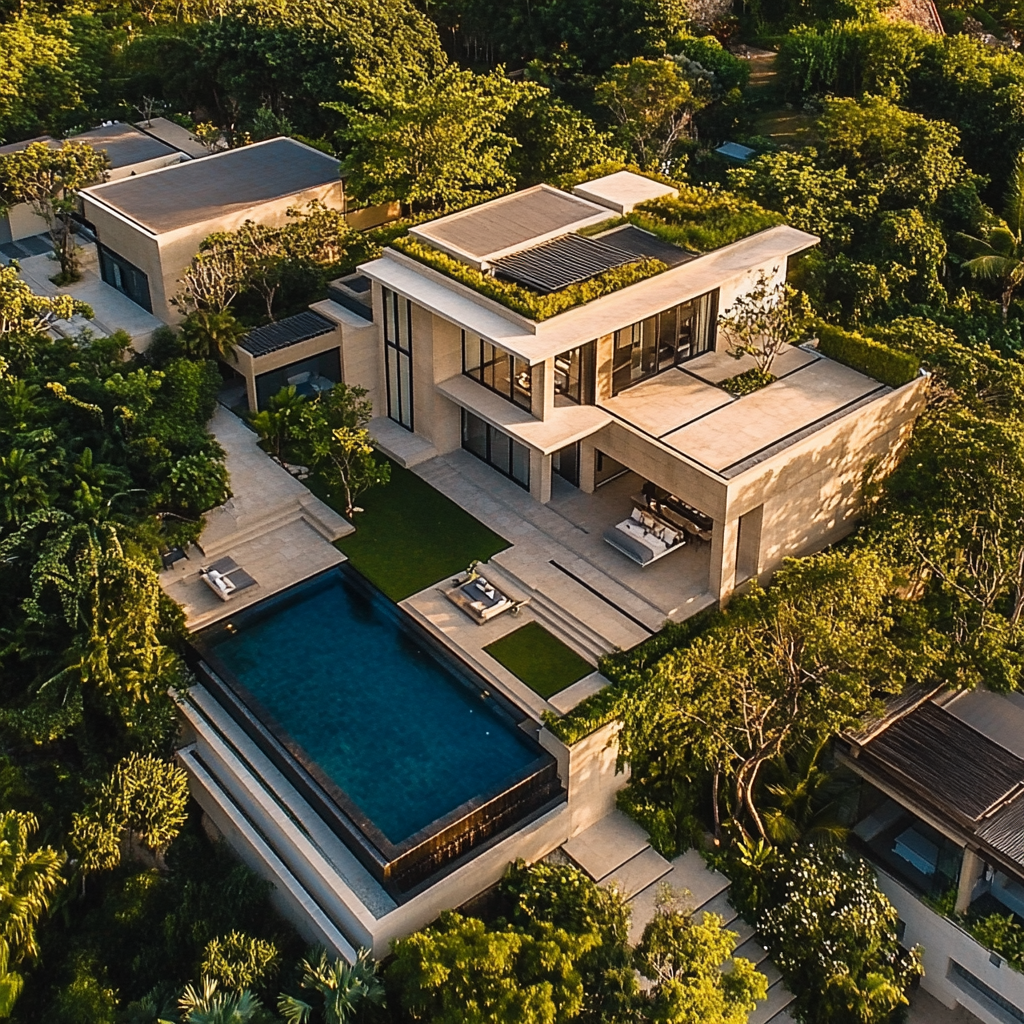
480 600
643 538
226 577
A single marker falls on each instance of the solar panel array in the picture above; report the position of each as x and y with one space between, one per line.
569 259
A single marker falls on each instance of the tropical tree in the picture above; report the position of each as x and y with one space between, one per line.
208 334
429 139
277 423
652 102
341 989
765 321
459 971
208 1005
998 255
239 961
333 439
832 933
786 666
48 180
24 313
22 488
28 879
695 977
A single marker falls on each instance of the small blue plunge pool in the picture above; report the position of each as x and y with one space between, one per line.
393 728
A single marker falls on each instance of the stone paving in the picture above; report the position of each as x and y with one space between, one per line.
272 526
111 309
589 594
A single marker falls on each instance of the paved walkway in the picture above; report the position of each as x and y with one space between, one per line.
926 1009
617 851
272 526
111 310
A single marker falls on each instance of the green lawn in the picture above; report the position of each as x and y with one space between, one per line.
541 660
411 536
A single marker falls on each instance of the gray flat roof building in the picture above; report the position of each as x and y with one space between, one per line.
217 186
125 145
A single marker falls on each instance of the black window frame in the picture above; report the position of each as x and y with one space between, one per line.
640 351
582 389
137 287
477 369
494 440
398 356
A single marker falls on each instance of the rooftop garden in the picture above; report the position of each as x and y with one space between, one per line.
699 220
523 301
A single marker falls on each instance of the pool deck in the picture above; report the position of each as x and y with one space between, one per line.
272 526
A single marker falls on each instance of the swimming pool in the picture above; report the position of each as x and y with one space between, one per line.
402 740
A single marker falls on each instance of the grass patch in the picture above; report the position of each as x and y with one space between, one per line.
541 660
410 535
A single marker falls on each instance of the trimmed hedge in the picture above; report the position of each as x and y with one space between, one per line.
521 300
871 357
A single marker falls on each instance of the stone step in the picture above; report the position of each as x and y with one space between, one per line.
556 620
607 845
219 536
779 997
639 873
752 950
720 905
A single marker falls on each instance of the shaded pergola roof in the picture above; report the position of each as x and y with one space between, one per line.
290 331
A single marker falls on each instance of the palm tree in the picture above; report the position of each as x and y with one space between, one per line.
22 489
999 255
207 334
342 986
805 802
208 1006
28 878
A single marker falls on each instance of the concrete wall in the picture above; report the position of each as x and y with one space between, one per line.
942 942
164 257
21 222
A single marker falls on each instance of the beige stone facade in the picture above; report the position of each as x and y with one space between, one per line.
779 472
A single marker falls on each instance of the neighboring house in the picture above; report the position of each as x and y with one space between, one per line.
628 381
130 150
174 135
942 818
150 226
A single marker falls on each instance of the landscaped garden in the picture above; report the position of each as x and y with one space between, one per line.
410 536
540 659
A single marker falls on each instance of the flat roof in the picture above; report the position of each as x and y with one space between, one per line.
535 342
17 147
125 145
568 259
197 191
506 225
645 243
623 190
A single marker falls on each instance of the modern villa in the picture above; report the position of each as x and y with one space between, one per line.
556 370
942 819
625 384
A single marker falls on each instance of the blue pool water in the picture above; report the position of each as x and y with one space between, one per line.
386 720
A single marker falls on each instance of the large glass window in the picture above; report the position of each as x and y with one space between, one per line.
663 341
574 374
398 357
508 457
127 278
510 377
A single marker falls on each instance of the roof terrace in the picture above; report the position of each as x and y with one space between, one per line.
542 251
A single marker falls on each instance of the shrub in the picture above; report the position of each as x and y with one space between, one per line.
867 355
830 930
748 382
521 300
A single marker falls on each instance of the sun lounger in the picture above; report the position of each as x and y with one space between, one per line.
480 600
226 577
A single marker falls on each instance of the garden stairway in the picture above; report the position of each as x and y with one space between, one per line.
617 851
